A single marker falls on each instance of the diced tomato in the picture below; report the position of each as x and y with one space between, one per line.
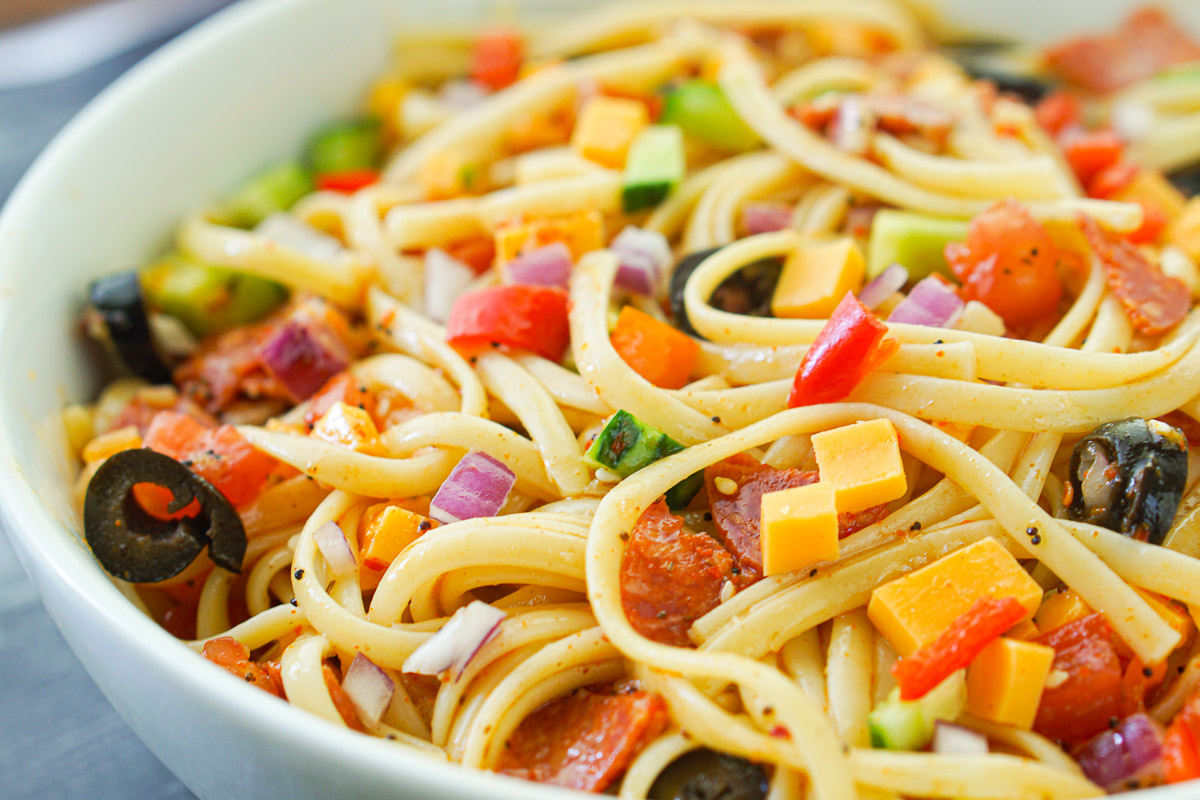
1090 695
849 347
815 116
670 576
957 647
343 388
1009 263
1091 152
1181 760
341 700
477 252
234 656
1112 180
1154 302
1058 111
656 351
347 182
496 60
173 434
1154 222
1136 684
585 740
522 317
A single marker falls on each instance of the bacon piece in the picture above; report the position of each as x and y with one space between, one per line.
1154 302
670 576
585 740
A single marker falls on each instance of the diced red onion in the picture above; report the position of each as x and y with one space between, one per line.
859 220
462 94
546 266
445 279
1130 752
883 286
331 541
477 487
369 688
852 126
951 739
931 302
286 230
644 257
301 358
452 648
766 217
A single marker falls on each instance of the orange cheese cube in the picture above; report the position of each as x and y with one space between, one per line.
1151 187
349 426
862 461
815 278
1006 679
607 127
914 610
1184 230
799 528
582 232
1060 607
385 530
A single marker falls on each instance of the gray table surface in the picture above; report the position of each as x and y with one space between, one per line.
61 738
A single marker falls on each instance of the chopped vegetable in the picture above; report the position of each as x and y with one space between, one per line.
1160 201
655 166
707 775
799 528
643 259
766 217
445 279
1005 681
914 241
1088 694
530 318
369 688
1126 757
862 464
273 190
846 350
233 656
331 541
1059 111
497 57
626 444
897 724
1090 152
544 266
476 487
116 317
346 146
931 302
582 231
701 109
883 286
288 231
302 357
815 278
606 129
655 350
385 530
208 299
451 649
951 739
1180 754
349 181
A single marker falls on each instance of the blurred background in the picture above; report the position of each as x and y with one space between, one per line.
62 739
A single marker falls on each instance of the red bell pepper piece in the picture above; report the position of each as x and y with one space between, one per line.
347 182
1058 111
496 60
849 346
522 317
1090 152
1181 761
958 645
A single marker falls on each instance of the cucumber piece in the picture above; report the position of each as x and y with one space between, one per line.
346 145
679 495
205 298
897 724
626 444
703 111
654 167
275 189
914 241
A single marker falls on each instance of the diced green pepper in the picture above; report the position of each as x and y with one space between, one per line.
914 241
897 724
273 190
205 298
655 166
703 111
626 445
346 146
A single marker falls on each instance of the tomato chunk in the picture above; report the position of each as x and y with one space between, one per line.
670 576
585 740
530 318
1090 694
1181 761
233 656
1058 111
347 182
496 60
849 347
1091 152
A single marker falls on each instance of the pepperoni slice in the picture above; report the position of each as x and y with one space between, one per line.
670 576
585 740
1154 302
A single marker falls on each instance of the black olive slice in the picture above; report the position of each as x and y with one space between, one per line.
709 775
747 291
134 546
1187 179
116 316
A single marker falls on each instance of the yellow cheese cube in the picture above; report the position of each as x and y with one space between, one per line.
1058 608
385 530
1151 187
349 426
799 528
913 611
862 461
815 278
582 232
1184 230
607 127
1005 681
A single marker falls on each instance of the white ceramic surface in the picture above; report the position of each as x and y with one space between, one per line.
191 120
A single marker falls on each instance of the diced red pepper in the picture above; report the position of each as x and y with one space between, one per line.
957 647
656 351
1112 180
347 182
477 252
233 656
1090 152
530 318
496 60
846 350
1181 760
1058 111
341 388
1090 695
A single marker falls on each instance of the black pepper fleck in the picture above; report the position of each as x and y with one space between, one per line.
298 574
916 526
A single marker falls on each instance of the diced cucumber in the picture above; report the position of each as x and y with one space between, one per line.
897 724
703 111
679 495
346 145
274 189
654 167
914 241
626 444
205 298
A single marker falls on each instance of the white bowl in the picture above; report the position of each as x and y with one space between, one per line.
235 93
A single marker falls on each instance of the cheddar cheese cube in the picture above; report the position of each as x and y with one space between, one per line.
1006 679
582 232
863 463
385 530
815 278
349 426
1184 230
913 611
799 528
1058 608
607 127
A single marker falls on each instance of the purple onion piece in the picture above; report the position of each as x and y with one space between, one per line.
1132 751
931 302
477 487
445 279
643 258
766 217
952 739
546 266
883 286
452 648
331 541
301 358
369 688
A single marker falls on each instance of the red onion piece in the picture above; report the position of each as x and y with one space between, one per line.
477 487
883 286
766 217
452 648
546 266
1130 752
952 739
331 541
369 688
859 220
644 257
445 279
286 230
931 302
301 357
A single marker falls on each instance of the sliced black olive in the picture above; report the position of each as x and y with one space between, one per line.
1129 476
136 547
747 291
117 317
1187 179
709 775
1003 65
